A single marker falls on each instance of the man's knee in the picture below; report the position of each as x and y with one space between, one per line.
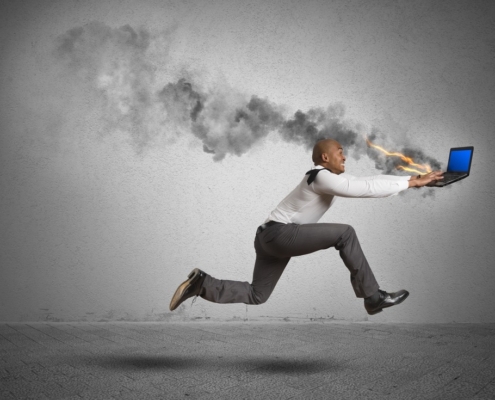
350 231
348 234
259 297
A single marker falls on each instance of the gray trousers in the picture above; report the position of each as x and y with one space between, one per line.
274 248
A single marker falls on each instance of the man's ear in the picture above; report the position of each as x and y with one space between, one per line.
324 157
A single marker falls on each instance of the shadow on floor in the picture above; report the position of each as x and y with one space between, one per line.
264 365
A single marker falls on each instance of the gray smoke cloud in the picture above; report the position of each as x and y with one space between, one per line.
118 63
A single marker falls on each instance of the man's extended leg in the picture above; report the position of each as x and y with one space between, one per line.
296 240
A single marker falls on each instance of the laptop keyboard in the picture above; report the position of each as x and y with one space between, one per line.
450 176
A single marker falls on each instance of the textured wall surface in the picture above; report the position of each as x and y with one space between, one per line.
107 201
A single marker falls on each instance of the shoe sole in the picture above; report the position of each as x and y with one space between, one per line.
381 309
175 302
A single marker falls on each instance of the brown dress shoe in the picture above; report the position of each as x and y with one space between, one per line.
385 300
191 287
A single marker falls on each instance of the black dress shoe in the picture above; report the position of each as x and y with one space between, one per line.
385 300
191 287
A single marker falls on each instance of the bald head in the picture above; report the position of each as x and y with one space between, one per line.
323 146
329 154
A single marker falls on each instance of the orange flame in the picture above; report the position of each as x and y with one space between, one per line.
411 170
404 158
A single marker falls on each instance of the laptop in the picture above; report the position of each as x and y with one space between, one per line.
458 167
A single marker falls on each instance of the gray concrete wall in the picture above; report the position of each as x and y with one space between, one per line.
107 201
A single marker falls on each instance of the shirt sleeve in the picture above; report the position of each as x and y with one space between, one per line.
387 177
345 185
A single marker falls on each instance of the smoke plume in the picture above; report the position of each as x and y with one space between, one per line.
116 62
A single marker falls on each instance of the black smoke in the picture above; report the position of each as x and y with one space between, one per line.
117 63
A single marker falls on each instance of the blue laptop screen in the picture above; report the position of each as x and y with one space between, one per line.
459 160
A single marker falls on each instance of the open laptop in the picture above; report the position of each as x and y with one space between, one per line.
458 167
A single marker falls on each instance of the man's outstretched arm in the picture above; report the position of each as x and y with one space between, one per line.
376 186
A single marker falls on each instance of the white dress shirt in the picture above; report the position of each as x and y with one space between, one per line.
307 203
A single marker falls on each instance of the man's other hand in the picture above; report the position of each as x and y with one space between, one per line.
426 179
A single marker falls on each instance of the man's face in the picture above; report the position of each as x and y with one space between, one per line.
335 158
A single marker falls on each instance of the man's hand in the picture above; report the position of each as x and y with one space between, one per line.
426 180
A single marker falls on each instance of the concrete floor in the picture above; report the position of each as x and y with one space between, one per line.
246 360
